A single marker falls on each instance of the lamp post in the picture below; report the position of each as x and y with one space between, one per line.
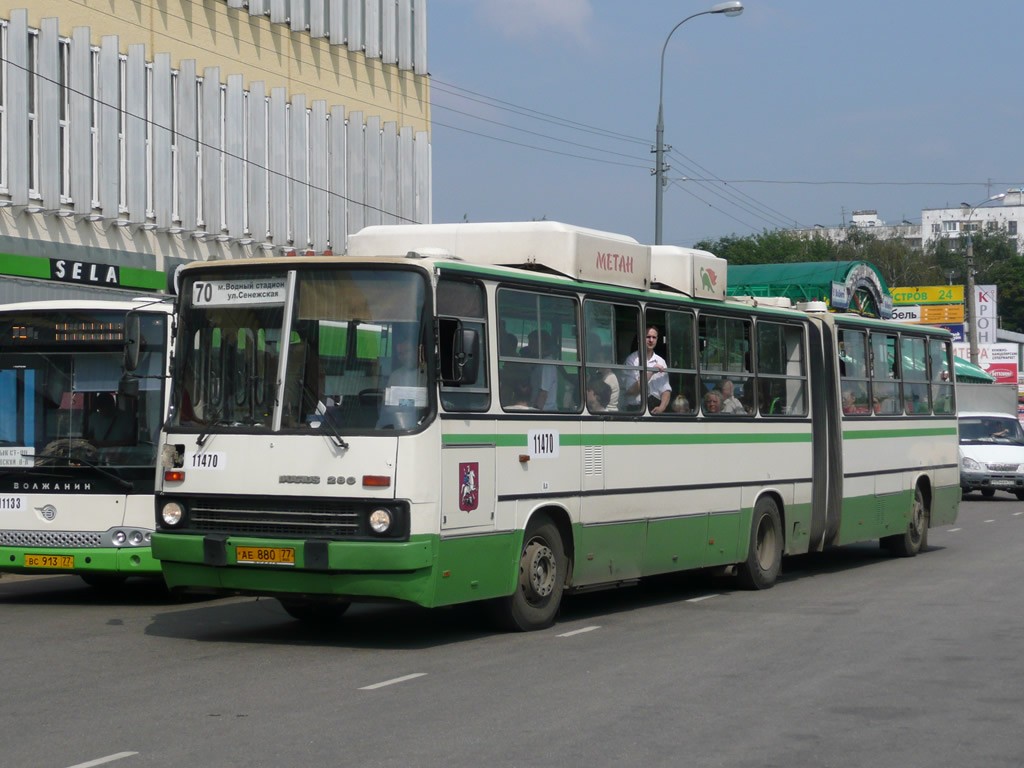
731 8
972 302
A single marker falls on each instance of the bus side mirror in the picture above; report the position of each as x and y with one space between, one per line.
132 341
460 353
128 386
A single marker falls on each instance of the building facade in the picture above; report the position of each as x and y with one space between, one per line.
141 134
1005 215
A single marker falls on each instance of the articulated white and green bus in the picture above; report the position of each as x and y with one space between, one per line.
78 436
509 412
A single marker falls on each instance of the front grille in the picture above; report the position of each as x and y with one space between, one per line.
50 539
1003 467
289 518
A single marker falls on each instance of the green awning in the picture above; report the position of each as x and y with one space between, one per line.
965 370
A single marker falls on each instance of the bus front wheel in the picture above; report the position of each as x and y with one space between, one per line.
764 555
542 573
915 538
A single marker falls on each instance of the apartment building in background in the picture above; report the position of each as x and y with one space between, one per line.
136 135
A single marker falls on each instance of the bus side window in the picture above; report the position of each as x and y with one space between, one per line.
781 371
941 379
915 375
853 370
462 302
885 373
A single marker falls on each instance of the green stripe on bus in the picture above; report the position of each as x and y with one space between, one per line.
868 434
519 441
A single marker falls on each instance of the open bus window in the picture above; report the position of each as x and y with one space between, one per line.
781 370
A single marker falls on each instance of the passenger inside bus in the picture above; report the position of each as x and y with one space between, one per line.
544 379
713 401
730 403
598 394
659 391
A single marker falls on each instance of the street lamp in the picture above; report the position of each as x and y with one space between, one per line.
731 8
972 302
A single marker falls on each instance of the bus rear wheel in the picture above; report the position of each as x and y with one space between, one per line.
915 538
316 612
542 574
764 555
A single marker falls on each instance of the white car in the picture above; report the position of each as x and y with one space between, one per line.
991 453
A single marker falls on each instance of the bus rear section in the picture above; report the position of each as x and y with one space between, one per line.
78 437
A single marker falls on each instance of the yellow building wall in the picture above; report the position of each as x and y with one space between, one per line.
218 36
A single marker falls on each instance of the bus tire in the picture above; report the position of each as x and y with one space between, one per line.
316 612
543 568
915 538
764 555
1019 495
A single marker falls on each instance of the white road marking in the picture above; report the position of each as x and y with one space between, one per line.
702 597
577 632
990 521
102 760
1018 513
954 530
375 686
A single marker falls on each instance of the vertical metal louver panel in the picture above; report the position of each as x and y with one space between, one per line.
419 37
298 171
371 28
277 151
108 126
234 154
256 157
355 25
186 130
406 192
319 16
297 14
336 178
162 131
389 32
236 3
136 177
389 173
421 153
318 175
356 171
257 7
278 11
16 106
81 120
405 34
337 21
48 114
372 166
212 150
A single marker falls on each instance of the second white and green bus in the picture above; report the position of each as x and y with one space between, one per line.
371 427
78 436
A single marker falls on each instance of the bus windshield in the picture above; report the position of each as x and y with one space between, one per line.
354 341
59 375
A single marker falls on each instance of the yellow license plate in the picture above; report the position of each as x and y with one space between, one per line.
49 561
265 555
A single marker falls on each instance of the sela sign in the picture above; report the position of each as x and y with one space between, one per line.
69 271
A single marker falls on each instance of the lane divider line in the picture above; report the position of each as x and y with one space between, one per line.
577 632
102 760
699 599
375 686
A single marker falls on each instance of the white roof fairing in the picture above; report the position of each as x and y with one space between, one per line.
577 252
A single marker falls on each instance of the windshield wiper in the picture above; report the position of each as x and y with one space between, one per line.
126 484
325 417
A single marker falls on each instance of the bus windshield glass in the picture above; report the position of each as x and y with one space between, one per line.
354 341
59 376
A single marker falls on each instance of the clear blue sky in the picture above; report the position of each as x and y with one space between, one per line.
907 104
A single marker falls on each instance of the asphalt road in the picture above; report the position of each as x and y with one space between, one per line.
855 658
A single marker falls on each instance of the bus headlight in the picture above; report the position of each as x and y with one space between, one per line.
971 464
135 538
120 537
380 520
172 513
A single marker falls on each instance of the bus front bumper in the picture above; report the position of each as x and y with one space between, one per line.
351 569
122 561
